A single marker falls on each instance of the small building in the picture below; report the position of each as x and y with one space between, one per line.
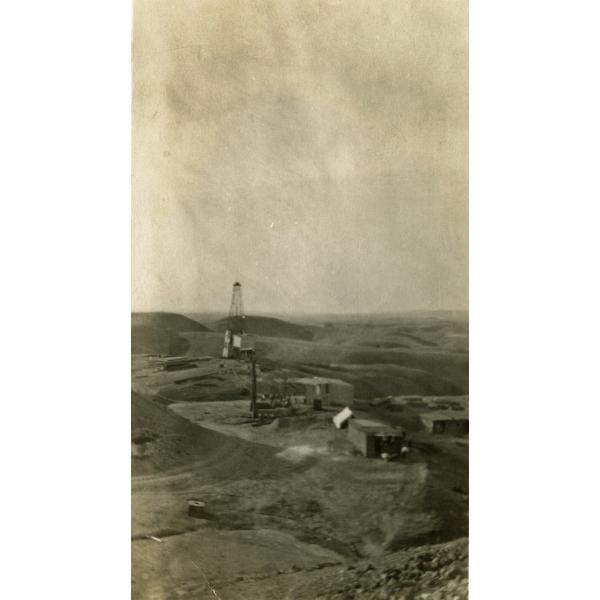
176 362
341 419
238 345
243 341
452 421
425 404
373 438
247 345
329 391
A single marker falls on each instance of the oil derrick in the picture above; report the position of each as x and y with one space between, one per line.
235 321
236 343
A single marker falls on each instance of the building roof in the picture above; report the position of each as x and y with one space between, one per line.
463 399
380 401
318 380
445 415
371 426
342 417
171 360
457 407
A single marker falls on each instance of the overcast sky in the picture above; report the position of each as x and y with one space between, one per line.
316 151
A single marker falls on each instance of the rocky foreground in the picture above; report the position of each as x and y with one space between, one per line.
437 572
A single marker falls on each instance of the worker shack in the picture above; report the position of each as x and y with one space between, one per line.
373 438
451 421
329 391
247 345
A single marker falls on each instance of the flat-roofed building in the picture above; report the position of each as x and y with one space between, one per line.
374 438
454 420
329 391
176 362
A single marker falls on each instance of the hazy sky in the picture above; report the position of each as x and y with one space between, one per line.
314 150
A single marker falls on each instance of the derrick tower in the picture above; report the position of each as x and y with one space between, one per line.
235 321
236 343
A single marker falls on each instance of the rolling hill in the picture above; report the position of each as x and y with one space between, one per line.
178 441
408 355
159 333
166 320
152 340
270 327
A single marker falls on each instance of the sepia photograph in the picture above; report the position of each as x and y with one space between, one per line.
263 262
300 300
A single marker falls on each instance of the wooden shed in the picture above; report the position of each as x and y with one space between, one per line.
373 438
329 391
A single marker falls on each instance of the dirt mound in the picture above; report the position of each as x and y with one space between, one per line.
270 327
179 442
166 320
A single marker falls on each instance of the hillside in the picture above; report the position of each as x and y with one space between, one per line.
165 320
408 355
270 327
152 340
428 356
179 442
158 333
435 572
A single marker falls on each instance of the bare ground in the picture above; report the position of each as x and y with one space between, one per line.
281 512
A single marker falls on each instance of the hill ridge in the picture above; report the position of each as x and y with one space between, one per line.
270 327
166 320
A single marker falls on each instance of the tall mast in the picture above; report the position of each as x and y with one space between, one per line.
235 324
236 311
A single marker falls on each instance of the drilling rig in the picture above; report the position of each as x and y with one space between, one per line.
237 343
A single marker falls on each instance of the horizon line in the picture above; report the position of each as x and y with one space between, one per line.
308 313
